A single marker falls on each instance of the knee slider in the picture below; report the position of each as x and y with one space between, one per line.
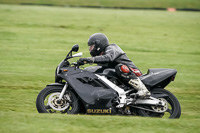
124 69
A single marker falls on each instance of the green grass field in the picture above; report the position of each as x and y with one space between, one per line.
34 39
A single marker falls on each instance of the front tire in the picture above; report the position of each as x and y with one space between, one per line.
174 108
47 101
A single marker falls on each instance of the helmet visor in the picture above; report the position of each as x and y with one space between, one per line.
91 47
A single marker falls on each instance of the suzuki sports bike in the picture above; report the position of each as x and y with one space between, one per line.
95 90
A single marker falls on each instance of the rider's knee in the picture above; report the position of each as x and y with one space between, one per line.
124 72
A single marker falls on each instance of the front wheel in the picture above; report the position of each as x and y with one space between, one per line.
47 101
173 106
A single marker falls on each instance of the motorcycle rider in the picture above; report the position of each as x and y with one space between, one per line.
112 56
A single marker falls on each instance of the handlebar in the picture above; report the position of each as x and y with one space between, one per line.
76 64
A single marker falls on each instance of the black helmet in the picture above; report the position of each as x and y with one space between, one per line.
100 42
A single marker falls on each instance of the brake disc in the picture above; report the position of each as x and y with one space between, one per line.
56 104
161 109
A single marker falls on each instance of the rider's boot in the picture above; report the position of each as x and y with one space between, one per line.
142 91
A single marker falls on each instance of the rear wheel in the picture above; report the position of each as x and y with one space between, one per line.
173 109
48 102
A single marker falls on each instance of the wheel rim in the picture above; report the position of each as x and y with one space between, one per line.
56 104
161 109
52 105
167 114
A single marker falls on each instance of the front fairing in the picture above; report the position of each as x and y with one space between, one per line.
59 69
65 72
89 88
94 93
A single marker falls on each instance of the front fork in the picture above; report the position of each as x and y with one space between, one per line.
63 91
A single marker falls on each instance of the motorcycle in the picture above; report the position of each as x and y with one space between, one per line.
98 90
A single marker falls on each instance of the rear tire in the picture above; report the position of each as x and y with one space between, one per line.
69 107
174 110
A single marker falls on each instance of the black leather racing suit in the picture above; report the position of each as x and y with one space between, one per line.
113 55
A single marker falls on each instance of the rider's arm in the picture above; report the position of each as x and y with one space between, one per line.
109 56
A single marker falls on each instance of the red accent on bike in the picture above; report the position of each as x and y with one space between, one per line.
136 72
125 69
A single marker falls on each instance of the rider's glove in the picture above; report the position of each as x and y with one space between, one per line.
83 61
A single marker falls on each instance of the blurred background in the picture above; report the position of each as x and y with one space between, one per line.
35 35
159 4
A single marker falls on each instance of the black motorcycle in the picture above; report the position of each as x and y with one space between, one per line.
98 90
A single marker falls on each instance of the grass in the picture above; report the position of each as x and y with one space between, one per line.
57 123
191 4
34 39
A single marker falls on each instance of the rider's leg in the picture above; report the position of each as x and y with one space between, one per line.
128 76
